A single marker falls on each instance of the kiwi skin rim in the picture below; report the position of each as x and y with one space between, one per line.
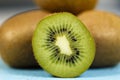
90 48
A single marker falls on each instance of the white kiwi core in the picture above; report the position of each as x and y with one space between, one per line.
64 45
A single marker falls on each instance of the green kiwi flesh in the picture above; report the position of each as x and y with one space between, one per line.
63 46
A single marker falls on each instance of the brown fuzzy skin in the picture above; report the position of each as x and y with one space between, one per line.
15 39
105 28
73 6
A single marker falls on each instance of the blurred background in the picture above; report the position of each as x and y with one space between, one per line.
11 7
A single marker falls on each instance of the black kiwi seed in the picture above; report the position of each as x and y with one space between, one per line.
69 32
77 52
73 38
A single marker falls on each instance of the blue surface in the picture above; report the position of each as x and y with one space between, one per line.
7 73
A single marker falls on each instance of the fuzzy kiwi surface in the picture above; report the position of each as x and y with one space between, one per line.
105 28
16 39
73 6
63 46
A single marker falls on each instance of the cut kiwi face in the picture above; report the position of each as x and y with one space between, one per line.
63 46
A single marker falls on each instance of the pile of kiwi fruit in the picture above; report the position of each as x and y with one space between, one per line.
63 37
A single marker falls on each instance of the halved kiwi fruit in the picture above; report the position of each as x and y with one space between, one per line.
73 6
15 39
63 46
105 28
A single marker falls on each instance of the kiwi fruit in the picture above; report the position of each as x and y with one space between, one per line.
16 39
105 28
62 45
73 6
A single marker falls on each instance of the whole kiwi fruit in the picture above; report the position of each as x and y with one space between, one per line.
63 46
15 39
105 28
73 6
